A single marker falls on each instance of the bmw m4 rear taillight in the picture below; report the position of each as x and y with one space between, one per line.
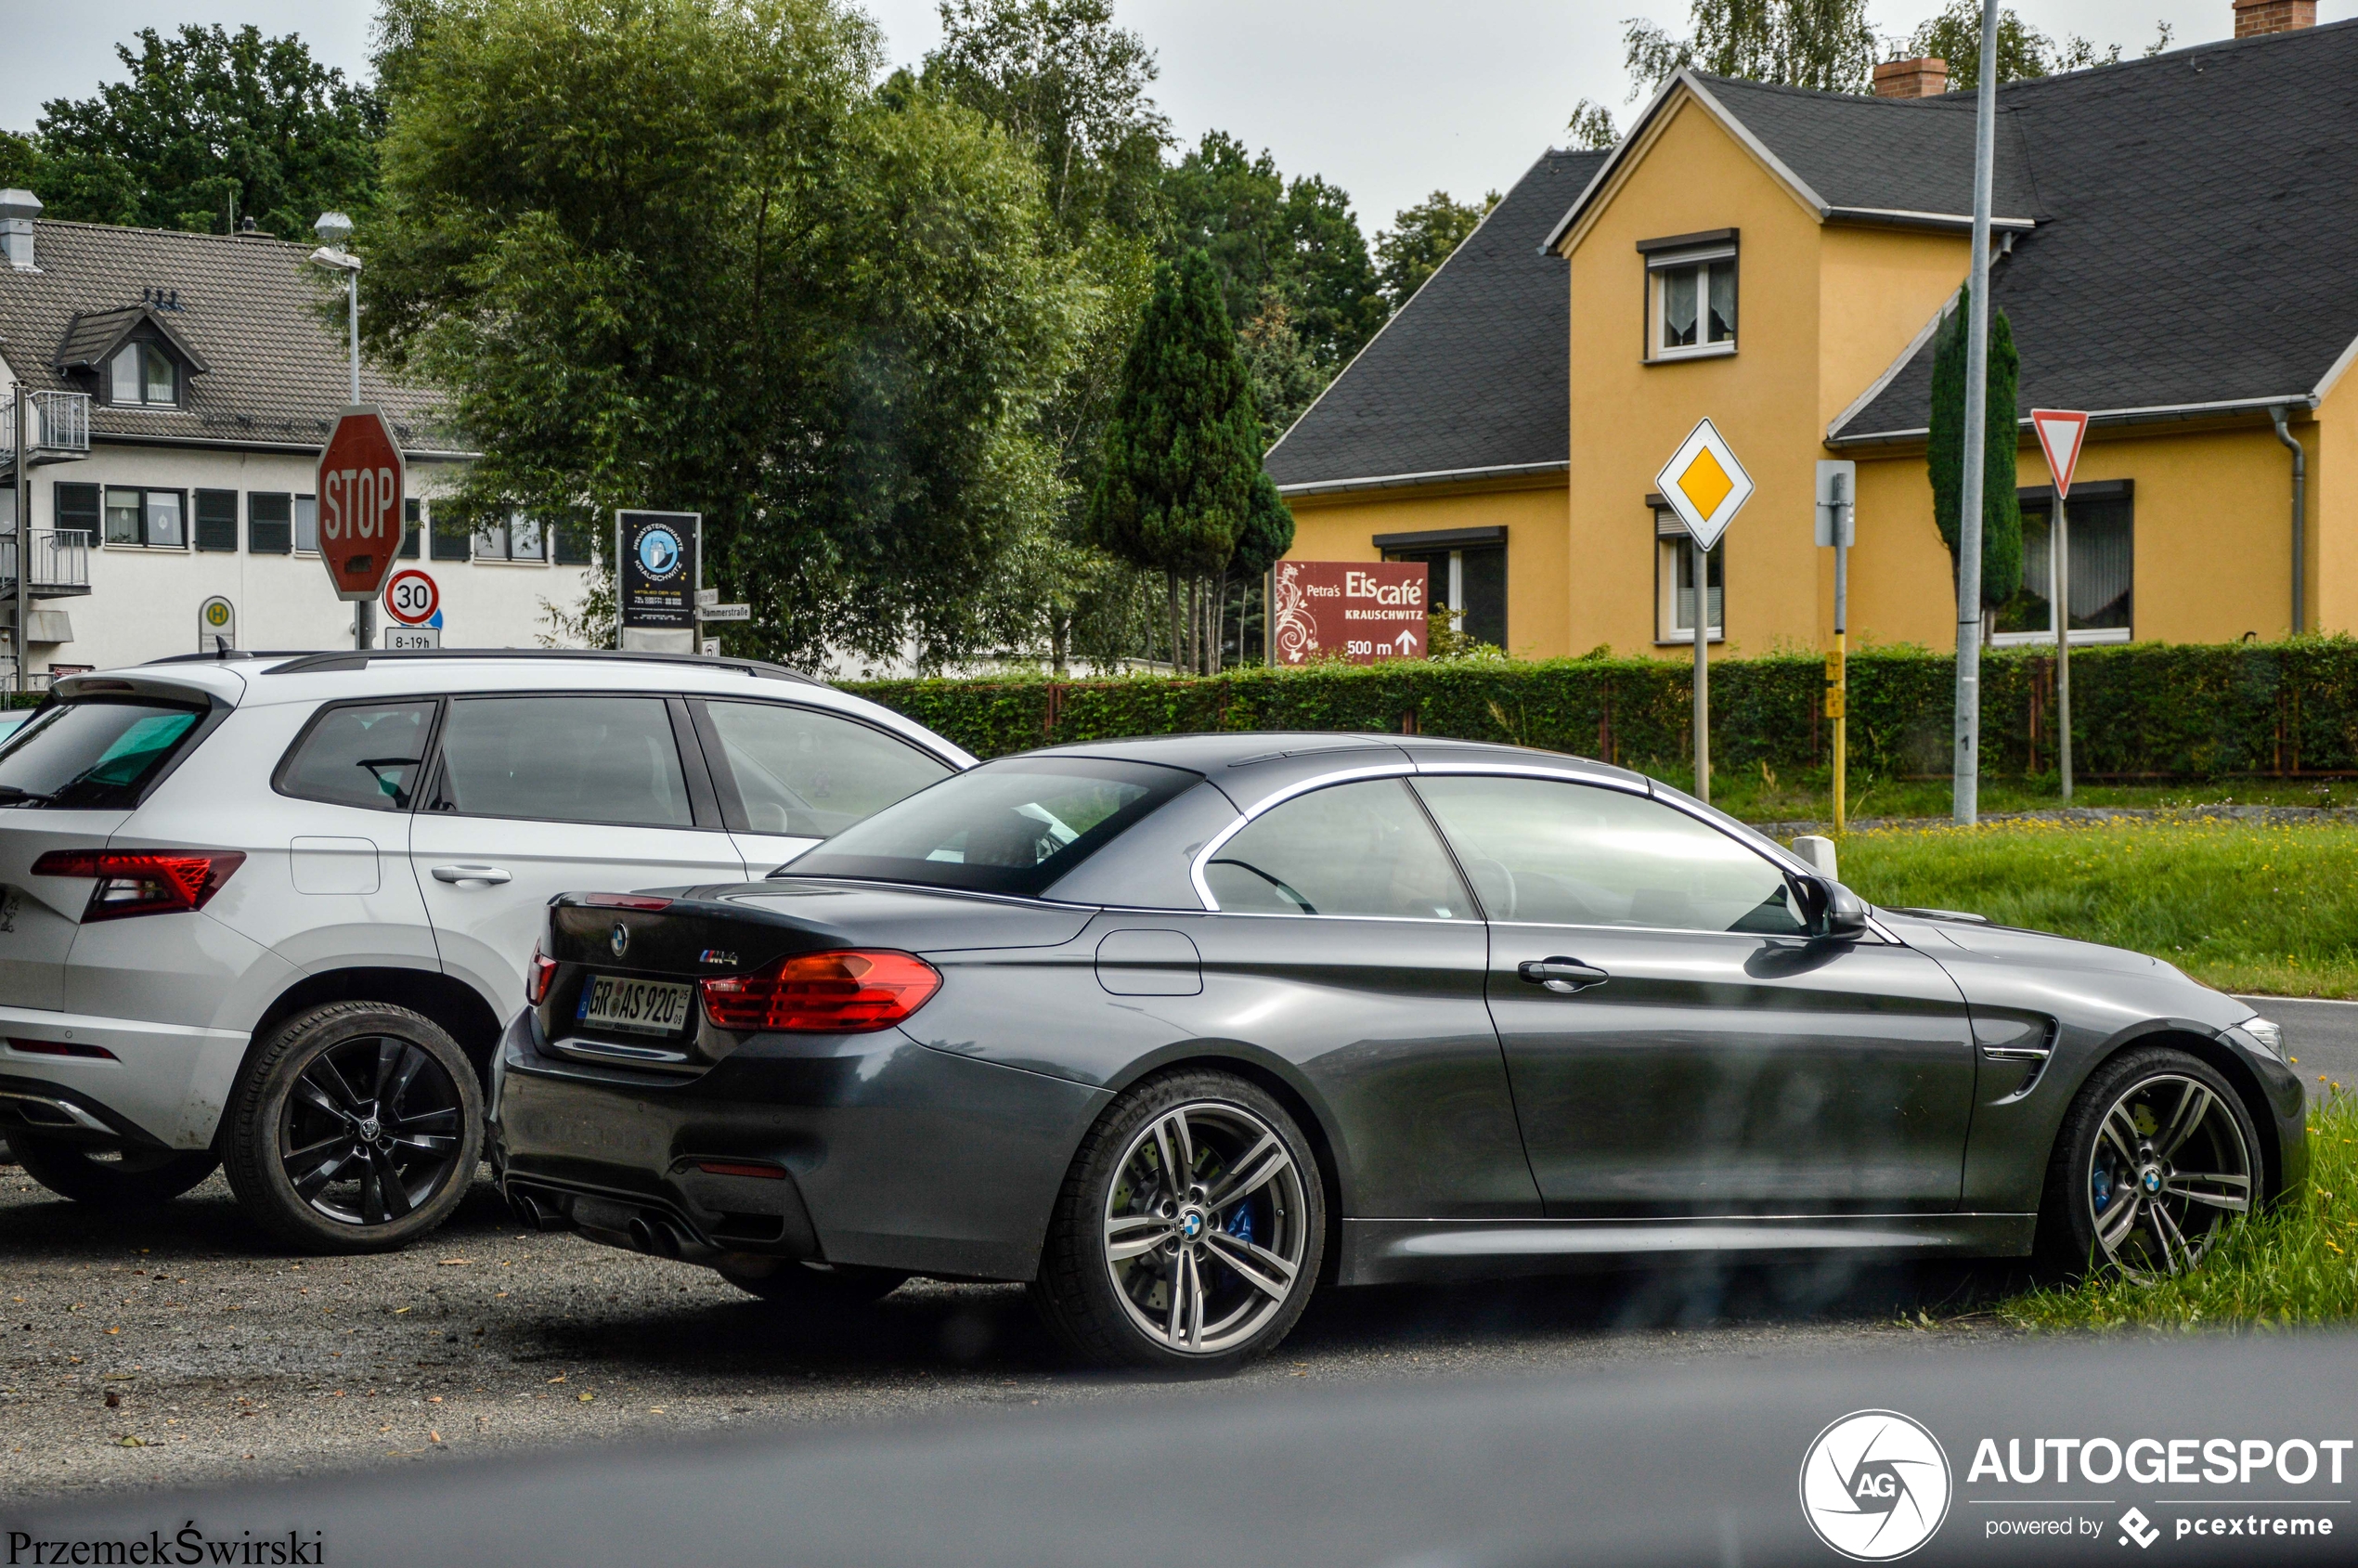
838 992
143 881
536 976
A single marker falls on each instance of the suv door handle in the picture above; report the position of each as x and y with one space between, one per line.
488 875
1564 974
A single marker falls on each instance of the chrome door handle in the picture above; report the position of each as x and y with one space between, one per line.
488 875
1565 974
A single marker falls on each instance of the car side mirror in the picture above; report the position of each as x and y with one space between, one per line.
1829 911
1844 915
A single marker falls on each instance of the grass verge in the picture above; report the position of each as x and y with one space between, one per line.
2295 1266
2240 906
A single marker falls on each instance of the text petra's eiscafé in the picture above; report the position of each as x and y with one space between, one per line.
1362 611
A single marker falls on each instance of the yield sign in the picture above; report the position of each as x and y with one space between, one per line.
2062 433
1704 484
360 484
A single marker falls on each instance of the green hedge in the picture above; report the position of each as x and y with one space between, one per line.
2143 710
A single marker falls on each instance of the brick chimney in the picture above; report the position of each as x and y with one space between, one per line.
2256 16
1923 78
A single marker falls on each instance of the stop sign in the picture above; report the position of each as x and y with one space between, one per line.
360 482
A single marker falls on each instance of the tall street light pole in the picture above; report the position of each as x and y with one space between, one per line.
335 230
1967 791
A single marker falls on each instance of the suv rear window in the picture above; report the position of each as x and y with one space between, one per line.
92 755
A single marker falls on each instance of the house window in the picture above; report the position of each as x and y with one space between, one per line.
216 518
1675 583
2102 584
306 525
1468 576
412 527
447 536
1691 295
146 517
141 372
573 544
513 537
269 522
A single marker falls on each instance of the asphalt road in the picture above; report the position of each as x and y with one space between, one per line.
2320 1036
180 1347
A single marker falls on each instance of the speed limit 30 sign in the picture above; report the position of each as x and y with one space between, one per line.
411 597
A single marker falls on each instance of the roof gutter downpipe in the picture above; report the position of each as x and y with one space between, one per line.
2300 515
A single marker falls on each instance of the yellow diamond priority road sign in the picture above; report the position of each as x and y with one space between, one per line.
1704 485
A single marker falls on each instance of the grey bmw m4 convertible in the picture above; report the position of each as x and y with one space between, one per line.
1177 1031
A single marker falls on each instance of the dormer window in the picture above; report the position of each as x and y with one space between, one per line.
1690 294
140 373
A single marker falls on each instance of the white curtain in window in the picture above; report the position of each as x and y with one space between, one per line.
164 518
125 375
306 523
2103 562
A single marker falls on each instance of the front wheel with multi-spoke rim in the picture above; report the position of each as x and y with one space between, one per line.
1190 1231
2157 1159
355 1128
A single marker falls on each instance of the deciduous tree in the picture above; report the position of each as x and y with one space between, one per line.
1421 239
212 127
679 252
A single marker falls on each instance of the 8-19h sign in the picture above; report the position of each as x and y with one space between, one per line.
360 485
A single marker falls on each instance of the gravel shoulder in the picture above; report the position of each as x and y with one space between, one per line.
179 1348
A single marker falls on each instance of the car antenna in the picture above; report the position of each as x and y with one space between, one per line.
220 646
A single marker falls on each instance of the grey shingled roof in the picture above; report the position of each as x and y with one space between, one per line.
275 370
2197 241
1881 155
1470 373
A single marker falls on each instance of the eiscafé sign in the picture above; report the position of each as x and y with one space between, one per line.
1358 610
359 489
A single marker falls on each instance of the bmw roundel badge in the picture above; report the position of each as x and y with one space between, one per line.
620 940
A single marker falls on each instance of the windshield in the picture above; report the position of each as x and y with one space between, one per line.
94 755
1007 827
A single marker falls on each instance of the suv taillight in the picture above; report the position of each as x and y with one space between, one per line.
536 977
840 992
143 881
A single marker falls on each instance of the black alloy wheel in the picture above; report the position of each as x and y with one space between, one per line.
355 1128
1189 1235
2157 1159
120 1177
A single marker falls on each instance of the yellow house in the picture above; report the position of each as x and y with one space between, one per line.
2176 251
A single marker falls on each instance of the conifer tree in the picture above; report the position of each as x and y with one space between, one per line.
1182 448
1945 453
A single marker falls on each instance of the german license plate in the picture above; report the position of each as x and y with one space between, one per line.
640 1006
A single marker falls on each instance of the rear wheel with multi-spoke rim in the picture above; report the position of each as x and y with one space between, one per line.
355 1128
2157 1159
1190 1232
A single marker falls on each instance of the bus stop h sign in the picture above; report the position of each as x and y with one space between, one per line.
360 484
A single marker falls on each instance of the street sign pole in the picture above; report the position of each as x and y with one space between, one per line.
2062 433
1965 795
1706 486
1837 481
2060 547
1703 671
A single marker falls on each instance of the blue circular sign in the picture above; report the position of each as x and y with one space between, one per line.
659 552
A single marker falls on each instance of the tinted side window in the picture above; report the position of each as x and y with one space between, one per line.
91 755
1354 849
568 759
803 771
1567 854
365 754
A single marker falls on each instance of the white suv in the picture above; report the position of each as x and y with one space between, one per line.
274 911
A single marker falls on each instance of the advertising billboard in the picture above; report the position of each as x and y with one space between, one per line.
1359 610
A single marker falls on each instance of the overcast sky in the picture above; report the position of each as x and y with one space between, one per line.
1388 99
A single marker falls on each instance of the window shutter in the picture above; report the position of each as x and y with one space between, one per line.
217 520
269 523
76 506
411 522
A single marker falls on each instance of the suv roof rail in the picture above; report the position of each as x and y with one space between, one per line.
307 662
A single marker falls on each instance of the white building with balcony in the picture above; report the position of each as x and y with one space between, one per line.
178 388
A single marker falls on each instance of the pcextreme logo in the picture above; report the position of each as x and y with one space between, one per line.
1874 1485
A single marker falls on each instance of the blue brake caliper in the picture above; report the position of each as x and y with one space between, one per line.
1241 1224
2100 1183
